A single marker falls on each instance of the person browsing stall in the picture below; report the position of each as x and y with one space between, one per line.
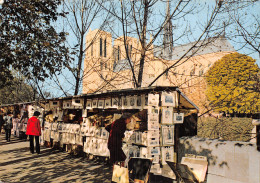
34 131
8 125
116 134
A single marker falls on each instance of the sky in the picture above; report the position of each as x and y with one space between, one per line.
193 22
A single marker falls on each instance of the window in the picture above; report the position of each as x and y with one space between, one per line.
92 49
100 50
201 72
105 48
101 66
118 53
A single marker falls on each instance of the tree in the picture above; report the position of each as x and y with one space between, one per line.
29 43
228 81
17 90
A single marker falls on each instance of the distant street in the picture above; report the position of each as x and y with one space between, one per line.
17 164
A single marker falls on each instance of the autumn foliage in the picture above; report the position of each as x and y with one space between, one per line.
231 85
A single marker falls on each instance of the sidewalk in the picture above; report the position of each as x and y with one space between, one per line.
17 164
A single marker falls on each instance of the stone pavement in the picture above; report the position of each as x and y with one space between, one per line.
17 165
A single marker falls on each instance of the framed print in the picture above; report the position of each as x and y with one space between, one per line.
78 103
101 104
153 110
138 137
167 154
67 104
125 102
94 103
153 118
167 115
153 126
153 150
153 99
169 99
132 102
108 103
114 102
167 135
139 101
89 104
120 102
178 118
54 104
144 101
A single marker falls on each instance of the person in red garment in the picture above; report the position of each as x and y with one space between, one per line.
116 134
34 131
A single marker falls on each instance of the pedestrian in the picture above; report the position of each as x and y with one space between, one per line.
116 134
1 122
8 125
23 125
34 131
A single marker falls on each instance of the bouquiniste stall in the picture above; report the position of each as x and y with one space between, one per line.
160 116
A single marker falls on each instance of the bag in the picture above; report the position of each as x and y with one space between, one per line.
120 174
8 123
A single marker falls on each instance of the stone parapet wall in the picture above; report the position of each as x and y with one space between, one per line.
228 161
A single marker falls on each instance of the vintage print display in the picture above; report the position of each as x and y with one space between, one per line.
169 99
153 110
108 103
167 135
167 154
94 103
167 115
54 104
101 104
125 102
138 137
153 114
114 103
178 118
153 126
132 102
77 103
67 104
89 104
139 101
153 99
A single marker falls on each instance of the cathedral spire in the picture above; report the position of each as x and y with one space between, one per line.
167 34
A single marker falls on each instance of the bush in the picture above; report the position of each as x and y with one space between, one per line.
224 128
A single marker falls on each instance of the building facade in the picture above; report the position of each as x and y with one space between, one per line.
109 64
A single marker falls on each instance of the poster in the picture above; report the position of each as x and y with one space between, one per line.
167 135
167 115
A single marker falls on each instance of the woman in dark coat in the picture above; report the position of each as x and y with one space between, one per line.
116 134
34 131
